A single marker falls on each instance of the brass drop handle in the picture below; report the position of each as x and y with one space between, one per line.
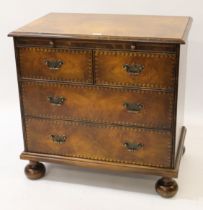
134 69
133 146
53 65
56 100
58 139
133 107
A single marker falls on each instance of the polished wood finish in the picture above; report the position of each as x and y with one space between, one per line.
76 65
120 167
166 187
103 91
63 43
107 26
96 142
158 69
35 170
98 104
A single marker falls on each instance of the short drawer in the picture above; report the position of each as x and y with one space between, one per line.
56 64
142 69
100 143
98 104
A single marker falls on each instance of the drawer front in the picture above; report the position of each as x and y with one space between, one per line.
56 64
89 141
143 69
98 104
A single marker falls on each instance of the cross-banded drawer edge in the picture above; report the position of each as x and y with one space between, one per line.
169 96
165 134
67 78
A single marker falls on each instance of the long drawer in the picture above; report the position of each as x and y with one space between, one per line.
56 64
98 104
99 142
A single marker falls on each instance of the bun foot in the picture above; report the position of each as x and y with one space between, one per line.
166 187
35 170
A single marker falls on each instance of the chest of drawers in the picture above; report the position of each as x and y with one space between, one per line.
104 91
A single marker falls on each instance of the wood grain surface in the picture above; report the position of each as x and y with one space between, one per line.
95 142
98 104
108 26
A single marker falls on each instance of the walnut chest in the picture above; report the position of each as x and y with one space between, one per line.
104 91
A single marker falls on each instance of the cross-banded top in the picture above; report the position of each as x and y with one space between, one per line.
143 28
